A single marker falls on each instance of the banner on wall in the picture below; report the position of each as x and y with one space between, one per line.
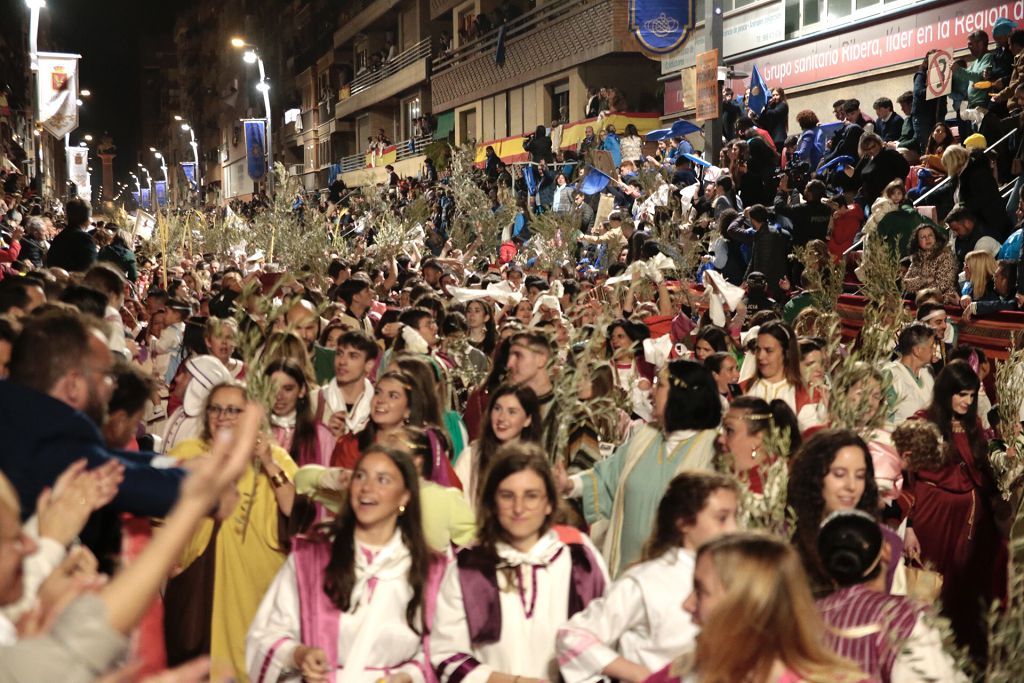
661 26
256 148
57 88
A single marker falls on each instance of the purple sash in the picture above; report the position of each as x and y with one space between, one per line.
478 577
318 616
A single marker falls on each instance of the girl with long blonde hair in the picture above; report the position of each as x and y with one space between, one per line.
758 620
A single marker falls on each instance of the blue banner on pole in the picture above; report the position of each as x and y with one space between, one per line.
135 196
189 169
256 148
661 26
146 201
161 192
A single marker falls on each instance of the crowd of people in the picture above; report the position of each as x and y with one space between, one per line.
653 460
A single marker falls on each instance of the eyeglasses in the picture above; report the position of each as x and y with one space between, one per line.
229 411
531 500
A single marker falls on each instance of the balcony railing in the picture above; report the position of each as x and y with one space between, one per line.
370 78
400 151
521 25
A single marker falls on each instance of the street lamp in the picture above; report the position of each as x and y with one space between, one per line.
163 163
252 56
87 137
85 92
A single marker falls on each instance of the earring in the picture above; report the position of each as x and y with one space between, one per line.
401 509
753 454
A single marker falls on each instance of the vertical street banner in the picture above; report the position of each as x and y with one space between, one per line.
78 170
57 88
145 201
160 187
709 95
189 169
137 198
661 26
256 148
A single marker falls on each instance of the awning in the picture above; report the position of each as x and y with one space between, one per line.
445 125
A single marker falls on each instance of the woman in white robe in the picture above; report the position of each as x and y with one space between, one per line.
501 603
639 626
350 609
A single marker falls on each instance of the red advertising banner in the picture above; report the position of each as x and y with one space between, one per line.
891 42
673 98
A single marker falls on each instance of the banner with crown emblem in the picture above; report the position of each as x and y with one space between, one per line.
661 26
58 92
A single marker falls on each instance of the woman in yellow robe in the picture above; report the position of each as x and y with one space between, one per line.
247 552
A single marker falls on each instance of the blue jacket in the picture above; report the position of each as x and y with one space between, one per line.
43 436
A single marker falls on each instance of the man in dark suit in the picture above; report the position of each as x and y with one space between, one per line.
888 124
51 410
74 249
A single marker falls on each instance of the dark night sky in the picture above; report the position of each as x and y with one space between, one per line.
108 33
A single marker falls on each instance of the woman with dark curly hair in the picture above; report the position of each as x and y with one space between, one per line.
932 263
806 150
831 471
951 524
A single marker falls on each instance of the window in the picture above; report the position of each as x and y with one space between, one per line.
837 9
411 110
325 152
467 126
559 95
362 133
812 11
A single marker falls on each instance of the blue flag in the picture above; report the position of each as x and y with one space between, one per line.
499 52
137 198
759 93
839 163
256 148
824 132
530 179
145 199
595 181
160 189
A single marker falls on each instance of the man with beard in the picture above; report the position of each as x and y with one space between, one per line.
302 319
51 410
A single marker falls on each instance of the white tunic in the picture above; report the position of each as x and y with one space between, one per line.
640 618
809 415
532 610
276 631
911 394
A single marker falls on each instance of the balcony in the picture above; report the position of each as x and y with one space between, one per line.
439 7
361 14
401 73
551 38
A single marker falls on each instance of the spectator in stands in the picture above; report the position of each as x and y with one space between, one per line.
853 114
775 117
632 145
757 184
907 142
1015 47
610 143
932 263
970 234
811 217
769 245
491 162
538 145
878 166
74 249
964 78
806 146
975 187
33 249
593 107
888 124
731 111
845 140
999 295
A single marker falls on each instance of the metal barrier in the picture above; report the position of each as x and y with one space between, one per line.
404 149
370 78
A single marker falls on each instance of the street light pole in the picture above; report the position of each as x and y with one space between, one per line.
251 56
713 40
34 7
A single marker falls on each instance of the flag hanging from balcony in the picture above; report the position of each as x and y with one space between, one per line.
661 26
189 169
499 51
256 148
57 88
